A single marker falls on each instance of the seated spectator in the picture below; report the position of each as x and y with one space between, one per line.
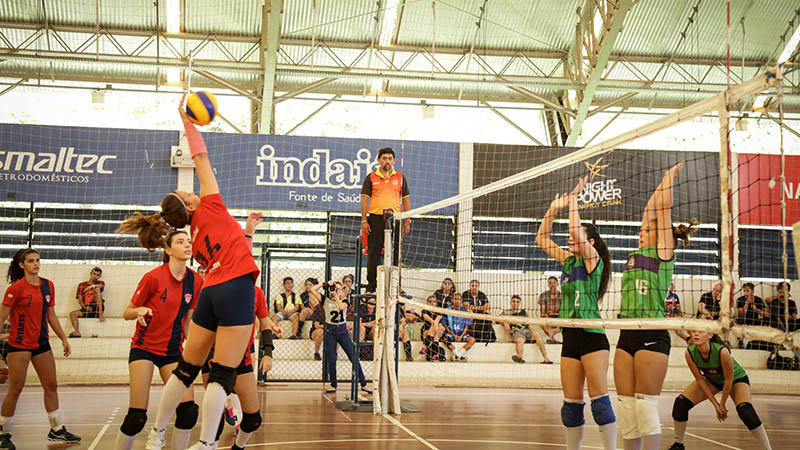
444 295
521 333
366 322
550 306
750 308
476 302
90 298
777 308
404 333
309 300
286 306
709 302
347 291
672 308
432 331
317 329
456 329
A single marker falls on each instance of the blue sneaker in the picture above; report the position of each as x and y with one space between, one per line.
62 435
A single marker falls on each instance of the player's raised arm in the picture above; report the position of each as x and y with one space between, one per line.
197 147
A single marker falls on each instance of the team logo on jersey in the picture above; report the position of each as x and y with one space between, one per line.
47 299
600 193
187 298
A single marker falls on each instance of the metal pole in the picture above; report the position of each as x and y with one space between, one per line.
388 220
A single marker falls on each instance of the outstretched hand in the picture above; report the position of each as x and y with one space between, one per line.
182 109
253 219
560 202
579 187
675 170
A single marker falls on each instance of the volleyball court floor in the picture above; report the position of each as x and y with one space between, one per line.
300 416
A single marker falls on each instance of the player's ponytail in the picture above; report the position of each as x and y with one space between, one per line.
683 232
152 229
605 255
15 272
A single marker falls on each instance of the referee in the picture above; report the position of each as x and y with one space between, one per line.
383 189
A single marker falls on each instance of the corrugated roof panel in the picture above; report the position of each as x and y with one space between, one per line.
345 20
229 17
20 11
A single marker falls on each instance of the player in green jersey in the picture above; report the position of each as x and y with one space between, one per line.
641 358
715 370
584 354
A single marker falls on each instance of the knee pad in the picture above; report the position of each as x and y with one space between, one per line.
186 372
251 422
186 415
134 421
627 417
601 410
647 414
748 415
572 414
680 409
225 376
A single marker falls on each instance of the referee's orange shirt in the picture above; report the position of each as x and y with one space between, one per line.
384 193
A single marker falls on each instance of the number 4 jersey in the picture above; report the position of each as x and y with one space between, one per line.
645 283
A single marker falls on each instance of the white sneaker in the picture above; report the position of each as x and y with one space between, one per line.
200 445
155 439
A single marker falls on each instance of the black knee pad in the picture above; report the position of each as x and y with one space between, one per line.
134 421
186 415
186 372
251 422
748 415
225 376
220 427
680 409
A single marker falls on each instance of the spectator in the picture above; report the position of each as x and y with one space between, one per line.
522 333
309 300
550 306
777 308
457 330
709 302
432 331
672 308
750 308
404 333
317 329
286 306
444 295
477 302
367 322
347 291
90 298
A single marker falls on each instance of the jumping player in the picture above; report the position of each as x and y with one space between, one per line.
715 370
642 356
224 313
584 355
29 304
162 305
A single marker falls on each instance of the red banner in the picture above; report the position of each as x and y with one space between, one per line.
759 194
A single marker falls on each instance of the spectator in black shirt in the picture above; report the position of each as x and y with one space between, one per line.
750 308
444 295
777 308
309 299
477 302
367 322
432 331
709 303
317 329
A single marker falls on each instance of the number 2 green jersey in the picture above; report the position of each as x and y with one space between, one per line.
712 368
645 284
579 291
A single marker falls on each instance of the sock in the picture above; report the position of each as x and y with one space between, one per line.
170 399
213 404
180 438
760 435
6 423
608 434
650 442
55 420
574 437
680 430
242 438
632 444
124 442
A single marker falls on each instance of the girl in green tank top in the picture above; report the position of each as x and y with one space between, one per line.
584 354
715 370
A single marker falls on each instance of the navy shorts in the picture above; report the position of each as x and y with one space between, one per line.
579 342
44 348
228 304
159 361
631 341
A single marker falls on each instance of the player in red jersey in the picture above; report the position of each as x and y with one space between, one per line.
162 305
224 313
29 304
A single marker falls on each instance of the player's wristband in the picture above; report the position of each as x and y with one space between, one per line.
196 144
265 342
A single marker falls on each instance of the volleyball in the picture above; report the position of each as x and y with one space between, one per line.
201 107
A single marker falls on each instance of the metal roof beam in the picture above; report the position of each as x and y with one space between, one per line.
512 123
601 49
271 30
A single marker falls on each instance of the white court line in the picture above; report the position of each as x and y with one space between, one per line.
712 441
337 409
410 433
104 429
484 441
323 441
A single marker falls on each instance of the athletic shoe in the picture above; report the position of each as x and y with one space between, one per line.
295 337
677 446
62 435
317 357
422 350
155 439
517 359
5 442
230 416
462 358
202 446
236 447
552 341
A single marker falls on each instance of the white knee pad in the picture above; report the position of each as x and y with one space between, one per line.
626 411
647 414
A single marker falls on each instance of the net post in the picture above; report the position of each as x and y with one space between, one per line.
464 215
725 213
385 398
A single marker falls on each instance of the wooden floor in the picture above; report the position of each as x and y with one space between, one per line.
299 416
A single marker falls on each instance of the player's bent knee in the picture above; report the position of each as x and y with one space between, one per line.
647 414
186 415
748 415
251 421
224 375
680 408
186 372
572 414
627 417
134 421
601 411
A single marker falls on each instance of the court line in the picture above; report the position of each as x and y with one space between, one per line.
485 441
337 409
410 433
712 441
324 441
104 429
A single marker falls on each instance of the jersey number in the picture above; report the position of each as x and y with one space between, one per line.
337 316
642 286
211 250
164 296
30 298
577 299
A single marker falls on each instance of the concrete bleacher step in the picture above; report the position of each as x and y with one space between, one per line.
112 327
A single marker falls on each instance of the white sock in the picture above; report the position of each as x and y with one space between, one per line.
651 441
242 438
6 423
680 430
632 444
180 438
124 442
170 399
574 437
55 420
608 434
213 404
760 435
